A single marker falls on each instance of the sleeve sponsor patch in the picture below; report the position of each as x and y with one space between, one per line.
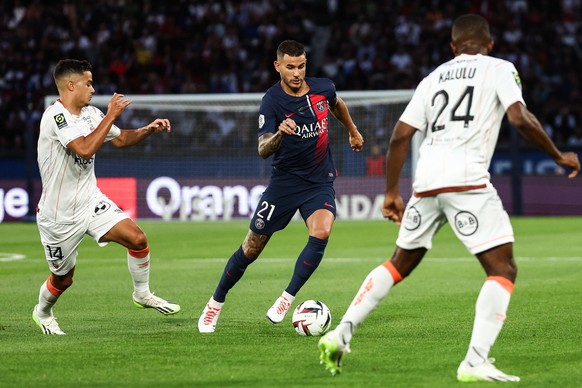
261 121
60 120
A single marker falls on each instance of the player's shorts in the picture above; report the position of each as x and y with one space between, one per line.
476 216
285 194
60 241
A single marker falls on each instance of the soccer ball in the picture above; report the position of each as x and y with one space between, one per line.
311 318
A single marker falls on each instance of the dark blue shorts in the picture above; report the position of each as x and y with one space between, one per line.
285 194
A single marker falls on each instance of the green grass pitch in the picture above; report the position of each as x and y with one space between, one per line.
416 338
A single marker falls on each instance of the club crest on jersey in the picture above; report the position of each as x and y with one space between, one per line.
466 223
60 120
259 223
261 121
320 106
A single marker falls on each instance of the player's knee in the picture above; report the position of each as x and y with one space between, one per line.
254 244
321 233
511 271
139 241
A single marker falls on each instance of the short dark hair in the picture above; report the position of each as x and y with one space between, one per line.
71 66
470 27
291 48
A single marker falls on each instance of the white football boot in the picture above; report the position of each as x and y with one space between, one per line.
164 306
49 325
279 309
209 318
483 372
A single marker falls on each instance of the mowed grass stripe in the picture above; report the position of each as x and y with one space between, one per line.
415 338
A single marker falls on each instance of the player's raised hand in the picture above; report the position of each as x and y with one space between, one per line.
356 141
159 125
117 104
570 160
288 127
393 208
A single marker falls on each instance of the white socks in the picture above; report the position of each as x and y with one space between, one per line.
374 288
138 263
490 309
46 300
490 312
214 304
288 296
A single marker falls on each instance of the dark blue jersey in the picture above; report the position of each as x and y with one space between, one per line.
307 154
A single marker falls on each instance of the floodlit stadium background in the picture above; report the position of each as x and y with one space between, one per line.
186 48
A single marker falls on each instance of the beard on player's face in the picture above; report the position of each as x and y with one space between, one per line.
294 83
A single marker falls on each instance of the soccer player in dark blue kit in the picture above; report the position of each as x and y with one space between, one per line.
293 127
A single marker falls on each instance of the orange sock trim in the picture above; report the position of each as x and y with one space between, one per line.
139 254
52 289
504 282
393 271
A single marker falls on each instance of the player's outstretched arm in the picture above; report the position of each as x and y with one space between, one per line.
87 146
531 130
393 208
129 137
341 112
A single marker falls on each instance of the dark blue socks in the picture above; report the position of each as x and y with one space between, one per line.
306 264
233 271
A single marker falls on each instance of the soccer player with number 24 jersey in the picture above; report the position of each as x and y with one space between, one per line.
458 109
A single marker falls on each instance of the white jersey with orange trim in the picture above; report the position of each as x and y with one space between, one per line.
459 108
68 181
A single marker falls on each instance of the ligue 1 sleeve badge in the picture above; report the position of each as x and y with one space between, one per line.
517 79
60 120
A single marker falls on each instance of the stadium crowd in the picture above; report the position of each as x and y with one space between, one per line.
227 46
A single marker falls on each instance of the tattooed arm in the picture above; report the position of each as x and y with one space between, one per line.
269 143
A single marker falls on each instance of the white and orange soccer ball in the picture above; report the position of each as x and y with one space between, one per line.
311 318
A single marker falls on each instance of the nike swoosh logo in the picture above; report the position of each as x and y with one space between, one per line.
329 205
287 115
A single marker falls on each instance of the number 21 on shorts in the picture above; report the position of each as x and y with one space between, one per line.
265 207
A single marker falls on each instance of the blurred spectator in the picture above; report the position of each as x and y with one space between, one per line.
201 46
401 60
376 161
575 138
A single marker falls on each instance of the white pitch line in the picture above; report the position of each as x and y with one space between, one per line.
7 256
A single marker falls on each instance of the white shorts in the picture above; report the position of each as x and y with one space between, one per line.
476 216
60 241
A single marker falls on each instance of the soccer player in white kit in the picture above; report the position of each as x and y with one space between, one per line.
71 204
458 108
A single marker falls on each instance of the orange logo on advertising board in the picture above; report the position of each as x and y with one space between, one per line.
122 191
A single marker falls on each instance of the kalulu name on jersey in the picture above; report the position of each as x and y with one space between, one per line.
459 73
